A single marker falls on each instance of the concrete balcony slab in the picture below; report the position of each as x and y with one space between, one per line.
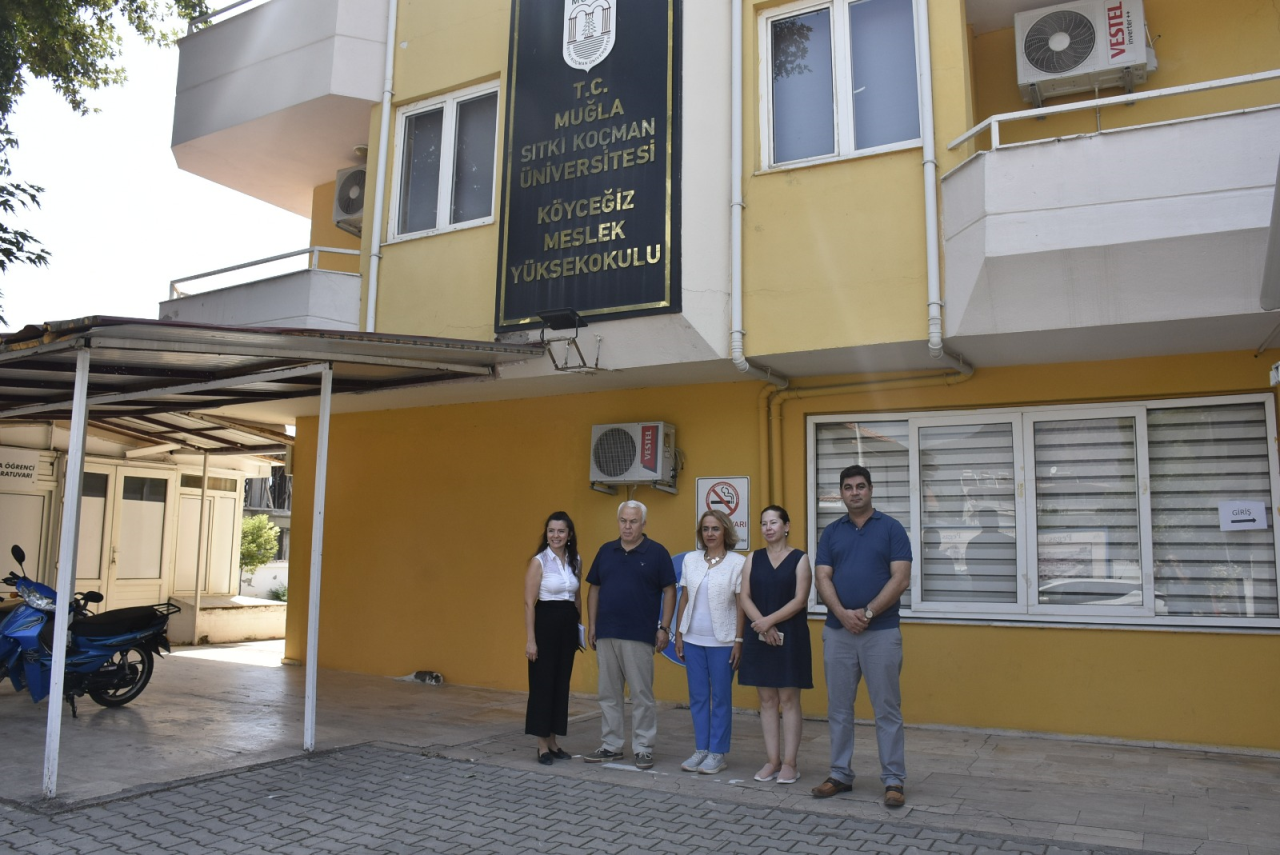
311 299
273 101
1132 242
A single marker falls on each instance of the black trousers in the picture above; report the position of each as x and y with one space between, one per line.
555 629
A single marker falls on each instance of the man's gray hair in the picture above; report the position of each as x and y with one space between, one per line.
632 503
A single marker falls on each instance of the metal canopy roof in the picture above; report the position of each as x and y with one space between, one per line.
155 380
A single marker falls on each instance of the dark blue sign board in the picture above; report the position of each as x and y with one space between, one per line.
590 187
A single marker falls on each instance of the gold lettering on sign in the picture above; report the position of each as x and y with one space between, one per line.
599 233
596 262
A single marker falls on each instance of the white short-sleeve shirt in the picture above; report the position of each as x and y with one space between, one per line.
558 580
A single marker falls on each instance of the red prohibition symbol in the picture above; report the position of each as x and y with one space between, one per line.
725 495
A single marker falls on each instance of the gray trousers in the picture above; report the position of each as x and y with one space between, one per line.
876 656
630 663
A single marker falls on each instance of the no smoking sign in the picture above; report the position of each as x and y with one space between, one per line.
730 496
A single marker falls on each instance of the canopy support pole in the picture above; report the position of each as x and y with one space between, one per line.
317 556
202 533
68 542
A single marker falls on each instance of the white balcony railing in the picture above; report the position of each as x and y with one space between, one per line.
313 254
992 123
310 298
196 23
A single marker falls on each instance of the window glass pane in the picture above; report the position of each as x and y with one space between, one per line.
879 446
226 485
969 549
1201 456
803 89
144 489
1087 542
420 180
882 46
473 159
94 485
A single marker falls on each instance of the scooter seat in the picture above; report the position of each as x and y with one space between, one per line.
118 622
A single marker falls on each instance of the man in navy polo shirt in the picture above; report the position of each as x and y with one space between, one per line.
863 566
629 606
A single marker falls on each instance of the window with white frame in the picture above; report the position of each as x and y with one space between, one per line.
839 79
444 168
1106 513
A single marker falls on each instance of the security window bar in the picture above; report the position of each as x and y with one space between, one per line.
1203 457
1083 514
446 162
968 529
1089 514
882 447
840 80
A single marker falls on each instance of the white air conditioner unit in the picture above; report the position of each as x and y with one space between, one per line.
348 200
635 453
1080 47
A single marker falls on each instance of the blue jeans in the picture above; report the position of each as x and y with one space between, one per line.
875 656
710 696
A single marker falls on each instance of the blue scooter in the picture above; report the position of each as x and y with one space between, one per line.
110 656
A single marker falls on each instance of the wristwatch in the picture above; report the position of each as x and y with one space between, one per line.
868 614
664 629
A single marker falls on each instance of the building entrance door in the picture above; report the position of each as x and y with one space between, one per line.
136 567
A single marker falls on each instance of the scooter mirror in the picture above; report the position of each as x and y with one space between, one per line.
92 597
18 554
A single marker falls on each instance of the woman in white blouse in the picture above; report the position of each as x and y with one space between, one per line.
709 638
551 616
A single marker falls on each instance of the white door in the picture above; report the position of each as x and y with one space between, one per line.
219 560
22 519
136 567
95 529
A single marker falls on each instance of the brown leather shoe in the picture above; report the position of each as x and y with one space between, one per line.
894 797
829 788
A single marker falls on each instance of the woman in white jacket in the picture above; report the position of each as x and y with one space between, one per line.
709 638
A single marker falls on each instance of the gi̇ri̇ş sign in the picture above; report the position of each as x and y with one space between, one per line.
590 184
1241 516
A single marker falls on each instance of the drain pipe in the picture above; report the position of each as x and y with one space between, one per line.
380 182
932 242
736 332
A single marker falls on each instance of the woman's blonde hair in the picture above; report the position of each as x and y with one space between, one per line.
730 533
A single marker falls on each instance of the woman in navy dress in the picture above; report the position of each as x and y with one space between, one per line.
776 655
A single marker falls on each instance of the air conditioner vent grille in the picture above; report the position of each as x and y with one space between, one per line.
350 193
1059 42
614 452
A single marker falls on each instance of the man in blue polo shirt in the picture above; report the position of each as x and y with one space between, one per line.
863 566
629 606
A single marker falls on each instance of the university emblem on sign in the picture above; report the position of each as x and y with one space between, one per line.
589 27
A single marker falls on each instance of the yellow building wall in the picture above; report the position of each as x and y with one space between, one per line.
443 46
836 249
1194 42
432 515
824 243
325 233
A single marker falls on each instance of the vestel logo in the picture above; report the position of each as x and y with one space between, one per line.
1116 29
649 447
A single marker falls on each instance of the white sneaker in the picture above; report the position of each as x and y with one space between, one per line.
713 764
692 764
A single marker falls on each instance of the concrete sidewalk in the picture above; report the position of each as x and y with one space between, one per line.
212 712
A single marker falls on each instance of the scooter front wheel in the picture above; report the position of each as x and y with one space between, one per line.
122 678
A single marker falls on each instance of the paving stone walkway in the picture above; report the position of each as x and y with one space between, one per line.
377 798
